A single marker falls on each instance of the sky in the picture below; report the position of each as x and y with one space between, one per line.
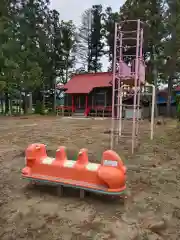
73 9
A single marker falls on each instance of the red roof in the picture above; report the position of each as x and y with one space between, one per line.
84 83
177 88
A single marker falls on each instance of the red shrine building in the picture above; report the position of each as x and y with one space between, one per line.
87 93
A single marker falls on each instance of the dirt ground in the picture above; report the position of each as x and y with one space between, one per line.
151 210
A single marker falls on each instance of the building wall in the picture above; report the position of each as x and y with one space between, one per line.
67 100
103 97
99 96
162 109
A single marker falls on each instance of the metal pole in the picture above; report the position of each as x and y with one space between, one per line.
139 80
141 43
120 89
118 111
152 109
121 109
113 88
135 85
155 76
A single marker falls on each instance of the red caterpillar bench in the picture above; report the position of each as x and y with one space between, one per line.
108 177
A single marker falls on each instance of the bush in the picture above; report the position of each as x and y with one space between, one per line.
39 108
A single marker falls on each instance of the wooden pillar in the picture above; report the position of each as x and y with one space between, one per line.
105 99
73 105
86 108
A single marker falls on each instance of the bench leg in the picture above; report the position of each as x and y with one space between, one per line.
60 191
82 193
31 183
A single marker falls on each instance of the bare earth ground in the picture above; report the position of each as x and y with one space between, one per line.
151 211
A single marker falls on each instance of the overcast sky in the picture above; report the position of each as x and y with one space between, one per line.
73 9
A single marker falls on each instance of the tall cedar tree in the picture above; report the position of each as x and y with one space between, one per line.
109 28
97 44
84 41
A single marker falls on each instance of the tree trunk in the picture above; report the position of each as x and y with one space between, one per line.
2 104
37 95
10 107
155 77
54 105
25 104
20 103
173 59
170 85
30 107
6 103
43 98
